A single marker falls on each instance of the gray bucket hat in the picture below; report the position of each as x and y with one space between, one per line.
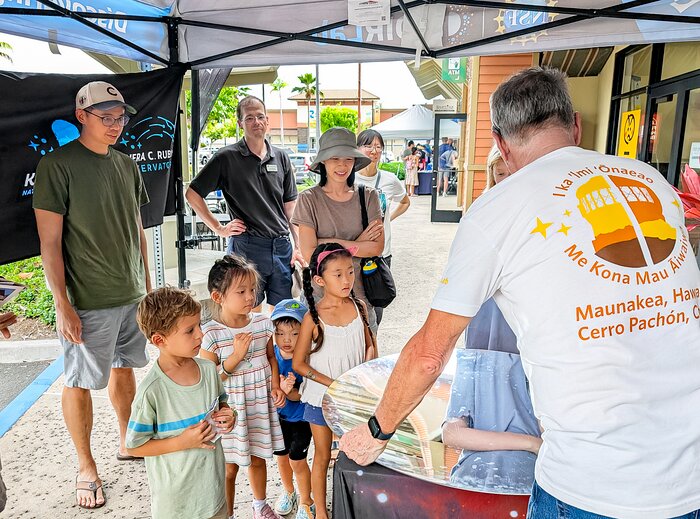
339 142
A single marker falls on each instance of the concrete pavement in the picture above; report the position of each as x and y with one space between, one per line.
39 464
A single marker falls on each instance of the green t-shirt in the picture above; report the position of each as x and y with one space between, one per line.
187 483
99 197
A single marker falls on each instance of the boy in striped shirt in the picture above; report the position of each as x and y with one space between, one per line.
178 412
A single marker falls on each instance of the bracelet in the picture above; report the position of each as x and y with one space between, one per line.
225 372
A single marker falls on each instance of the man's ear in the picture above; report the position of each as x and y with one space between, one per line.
157 340
578 128
502 146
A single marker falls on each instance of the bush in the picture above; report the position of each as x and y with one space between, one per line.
36 301
396 167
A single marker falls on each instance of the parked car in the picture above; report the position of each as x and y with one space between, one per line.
205 153
301 163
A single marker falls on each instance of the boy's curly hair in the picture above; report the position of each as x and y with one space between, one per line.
161 309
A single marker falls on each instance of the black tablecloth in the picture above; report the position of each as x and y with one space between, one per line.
375 492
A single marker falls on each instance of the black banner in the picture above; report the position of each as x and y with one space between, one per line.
37 116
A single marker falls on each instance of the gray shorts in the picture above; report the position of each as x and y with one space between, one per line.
111 339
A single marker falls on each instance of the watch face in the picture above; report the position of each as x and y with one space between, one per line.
374 427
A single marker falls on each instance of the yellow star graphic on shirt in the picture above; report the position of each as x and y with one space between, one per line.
567 213
564 230
541 228
675 202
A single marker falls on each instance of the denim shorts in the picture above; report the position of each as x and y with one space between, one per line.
111 339
314 415
272 257
545 506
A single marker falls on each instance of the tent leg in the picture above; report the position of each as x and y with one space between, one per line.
178 143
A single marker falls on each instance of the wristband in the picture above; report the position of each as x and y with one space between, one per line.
225 372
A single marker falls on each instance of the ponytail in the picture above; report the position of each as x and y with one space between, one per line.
362 309
311 302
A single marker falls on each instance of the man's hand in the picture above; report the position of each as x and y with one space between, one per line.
233 228
68 324
198 436
278 397
225 418
373 231
360 447
7 319
298 257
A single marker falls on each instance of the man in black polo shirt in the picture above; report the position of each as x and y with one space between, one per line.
260 189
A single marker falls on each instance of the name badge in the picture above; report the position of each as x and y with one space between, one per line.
271 168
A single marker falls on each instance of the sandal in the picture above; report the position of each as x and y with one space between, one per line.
90 486
127 457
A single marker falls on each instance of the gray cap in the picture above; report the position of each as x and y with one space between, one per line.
341 143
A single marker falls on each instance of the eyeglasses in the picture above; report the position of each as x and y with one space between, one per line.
261 118
372 148
109 120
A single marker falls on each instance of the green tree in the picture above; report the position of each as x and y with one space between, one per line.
5 49
221 122
277 86
308 89
339 116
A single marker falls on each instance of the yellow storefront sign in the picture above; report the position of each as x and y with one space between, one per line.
629 134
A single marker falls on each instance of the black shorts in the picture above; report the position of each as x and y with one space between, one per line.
297 438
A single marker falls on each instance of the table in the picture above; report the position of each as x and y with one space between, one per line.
425 183
379 492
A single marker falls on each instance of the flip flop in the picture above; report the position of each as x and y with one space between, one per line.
126 457
90 486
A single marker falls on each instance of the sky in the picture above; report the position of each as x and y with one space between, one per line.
391 81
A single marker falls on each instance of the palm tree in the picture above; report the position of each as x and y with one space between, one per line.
277 86
308 89
5 47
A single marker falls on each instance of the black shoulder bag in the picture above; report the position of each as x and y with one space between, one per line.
377 280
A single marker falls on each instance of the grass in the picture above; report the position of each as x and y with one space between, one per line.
36 301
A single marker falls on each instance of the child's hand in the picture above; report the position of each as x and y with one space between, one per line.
198 436
241 344
278 397
225 418
287 383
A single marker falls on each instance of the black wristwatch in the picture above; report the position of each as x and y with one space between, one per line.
376 431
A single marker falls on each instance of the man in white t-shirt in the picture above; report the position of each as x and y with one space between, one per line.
588 258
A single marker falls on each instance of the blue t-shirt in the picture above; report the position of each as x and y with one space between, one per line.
292 411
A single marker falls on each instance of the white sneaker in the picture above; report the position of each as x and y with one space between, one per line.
285 502
306 512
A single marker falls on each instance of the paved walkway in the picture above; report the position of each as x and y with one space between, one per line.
38 461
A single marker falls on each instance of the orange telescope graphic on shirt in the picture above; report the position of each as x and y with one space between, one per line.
627 219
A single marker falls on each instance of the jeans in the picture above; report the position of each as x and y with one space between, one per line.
272 257
545 506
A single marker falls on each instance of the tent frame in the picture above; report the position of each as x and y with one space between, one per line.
172 25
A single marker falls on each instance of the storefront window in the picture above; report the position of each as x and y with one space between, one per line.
636 70
690 153
661 134
680 58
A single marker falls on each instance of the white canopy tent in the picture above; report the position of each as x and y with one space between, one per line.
415 123
218 33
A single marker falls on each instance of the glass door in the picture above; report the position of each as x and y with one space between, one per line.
448 173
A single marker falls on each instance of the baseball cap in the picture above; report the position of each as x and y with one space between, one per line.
289 308
101 95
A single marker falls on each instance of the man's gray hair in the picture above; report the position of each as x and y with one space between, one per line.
247 100
530 100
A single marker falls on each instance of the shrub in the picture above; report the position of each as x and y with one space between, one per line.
36 301
396 167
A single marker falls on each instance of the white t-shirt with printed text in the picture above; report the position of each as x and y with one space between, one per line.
390 190
588 258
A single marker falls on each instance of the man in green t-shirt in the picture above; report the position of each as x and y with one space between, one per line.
87 199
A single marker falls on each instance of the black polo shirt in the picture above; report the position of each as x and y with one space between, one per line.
255 190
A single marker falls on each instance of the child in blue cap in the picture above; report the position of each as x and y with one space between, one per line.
287 317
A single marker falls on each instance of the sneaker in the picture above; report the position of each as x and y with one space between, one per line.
306 512
265 513
285 502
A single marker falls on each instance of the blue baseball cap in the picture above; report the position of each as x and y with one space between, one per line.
289 308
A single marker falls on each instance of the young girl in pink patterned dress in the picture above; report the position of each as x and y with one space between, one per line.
240 343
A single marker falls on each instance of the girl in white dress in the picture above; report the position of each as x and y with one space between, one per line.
240 343
334 338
